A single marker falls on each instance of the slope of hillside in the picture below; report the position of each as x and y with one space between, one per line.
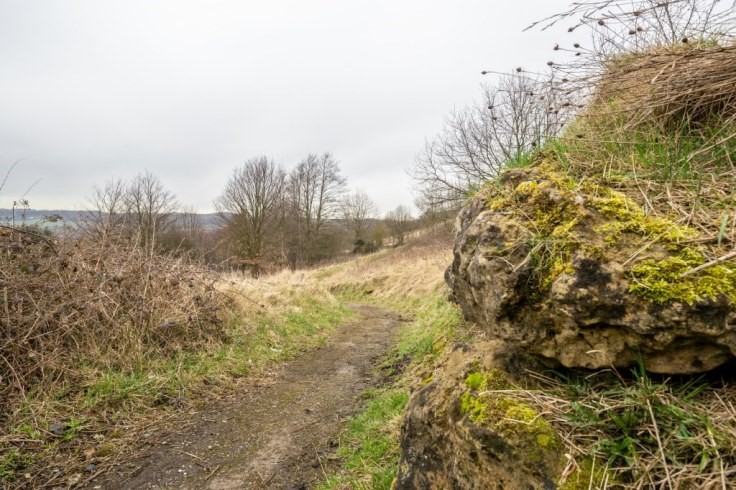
75 425
601 270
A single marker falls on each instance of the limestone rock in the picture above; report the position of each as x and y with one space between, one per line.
456 434
581 276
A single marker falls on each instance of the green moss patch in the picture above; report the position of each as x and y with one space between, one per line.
627 217
662 281
590 473
486 404
494 379
565 218
12 462
547 203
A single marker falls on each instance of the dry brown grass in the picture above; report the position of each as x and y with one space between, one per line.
412 271
112 304
640 432
393 275
649 99
73 311
661 127
669 85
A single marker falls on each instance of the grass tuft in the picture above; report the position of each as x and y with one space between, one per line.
647 432
408 280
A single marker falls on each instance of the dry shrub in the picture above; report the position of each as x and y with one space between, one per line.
661 128
671 85
85 303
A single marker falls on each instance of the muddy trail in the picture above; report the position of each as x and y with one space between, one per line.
282 435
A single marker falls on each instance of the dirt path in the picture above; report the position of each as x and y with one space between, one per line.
275 436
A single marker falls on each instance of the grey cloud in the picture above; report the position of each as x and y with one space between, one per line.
96 89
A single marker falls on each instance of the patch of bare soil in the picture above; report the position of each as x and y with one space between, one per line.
275 436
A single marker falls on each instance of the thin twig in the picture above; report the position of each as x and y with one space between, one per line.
660 446
713 262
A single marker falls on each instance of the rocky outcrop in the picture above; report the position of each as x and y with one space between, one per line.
466 430
579 275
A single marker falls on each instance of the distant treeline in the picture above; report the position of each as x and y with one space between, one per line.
267 217
71 217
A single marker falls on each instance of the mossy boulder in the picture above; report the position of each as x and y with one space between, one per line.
467 429
581 276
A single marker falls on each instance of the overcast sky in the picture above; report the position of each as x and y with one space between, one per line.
95 89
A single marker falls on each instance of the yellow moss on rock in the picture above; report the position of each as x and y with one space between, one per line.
590 474
557 211
527 188
502 412
548 202
520 419
662 281
628 217
495 379
473 407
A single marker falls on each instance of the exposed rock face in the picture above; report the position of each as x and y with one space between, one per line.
580 276
456 434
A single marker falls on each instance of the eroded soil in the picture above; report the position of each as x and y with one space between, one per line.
277 436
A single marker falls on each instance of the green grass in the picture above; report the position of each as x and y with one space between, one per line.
522 159
252 344
673 423
103 396
435 322
115 389
12 462
663 154
369 447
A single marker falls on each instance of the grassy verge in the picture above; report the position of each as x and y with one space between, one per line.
84 423
408 281
631 429
369 447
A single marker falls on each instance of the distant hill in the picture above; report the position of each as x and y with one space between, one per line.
31 216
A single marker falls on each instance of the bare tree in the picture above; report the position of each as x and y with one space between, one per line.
189 223
186 235
357 210
478 141
399 222
378 233
106 213
252 206
149 207
141 210
315 189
